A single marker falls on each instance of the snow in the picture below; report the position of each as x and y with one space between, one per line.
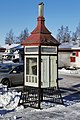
70 45
7 46
58 112
8 99
7 61
9 109
69 72
65 45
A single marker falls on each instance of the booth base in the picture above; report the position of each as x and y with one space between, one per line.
33 97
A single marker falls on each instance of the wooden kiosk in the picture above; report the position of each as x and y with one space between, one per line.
40 64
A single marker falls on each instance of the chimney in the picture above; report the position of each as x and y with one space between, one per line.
41 18
41 9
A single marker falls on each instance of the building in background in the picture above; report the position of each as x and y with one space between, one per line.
69 56
11 52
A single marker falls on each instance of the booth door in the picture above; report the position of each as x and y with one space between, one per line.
53 71
44 71
48 71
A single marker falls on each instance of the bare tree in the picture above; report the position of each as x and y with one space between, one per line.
78 31
24 34
63 34
76 36
10 37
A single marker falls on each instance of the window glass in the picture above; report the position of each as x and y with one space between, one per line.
31 66
72 59
34 49
48 49
18 69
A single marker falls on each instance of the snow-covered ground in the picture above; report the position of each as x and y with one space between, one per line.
9 109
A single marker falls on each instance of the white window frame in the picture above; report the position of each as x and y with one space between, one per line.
30 83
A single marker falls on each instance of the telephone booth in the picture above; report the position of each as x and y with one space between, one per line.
40 64
40 60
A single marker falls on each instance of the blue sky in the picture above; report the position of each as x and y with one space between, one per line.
19 14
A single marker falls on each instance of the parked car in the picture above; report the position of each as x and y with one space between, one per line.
11 74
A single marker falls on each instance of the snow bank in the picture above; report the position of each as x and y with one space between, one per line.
69 72
57 112
8 99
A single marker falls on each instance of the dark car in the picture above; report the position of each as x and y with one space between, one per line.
11 74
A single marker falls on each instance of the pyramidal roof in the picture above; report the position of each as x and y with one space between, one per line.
40 35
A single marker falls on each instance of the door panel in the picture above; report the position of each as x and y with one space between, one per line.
48 71
53 71
45 71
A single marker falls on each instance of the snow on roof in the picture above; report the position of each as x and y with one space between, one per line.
68 45
78 38
7 46
65 45
76 48
18 47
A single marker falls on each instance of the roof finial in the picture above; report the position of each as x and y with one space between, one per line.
41 9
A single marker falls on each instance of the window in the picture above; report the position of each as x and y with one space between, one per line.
18 69
32 49
72 59
31 70
31 66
